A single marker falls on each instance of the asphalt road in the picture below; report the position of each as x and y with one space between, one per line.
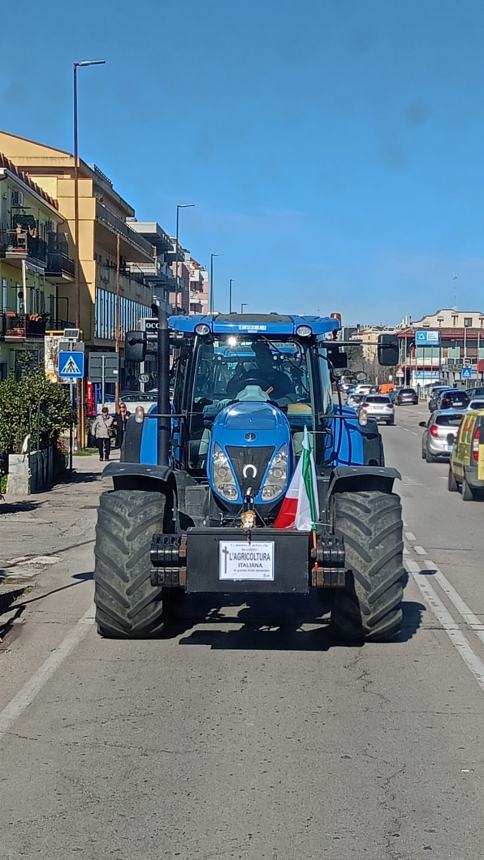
251 734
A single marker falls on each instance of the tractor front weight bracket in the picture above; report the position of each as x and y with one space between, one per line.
329 570
168 560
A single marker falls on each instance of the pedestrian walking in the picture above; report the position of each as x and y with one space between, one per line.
102 430
119 423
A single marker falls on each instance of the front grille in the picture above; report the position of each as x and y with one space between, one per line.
249 465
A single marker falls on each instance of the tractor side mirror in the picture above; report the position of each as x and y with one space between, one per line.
135 346
388 350
338 359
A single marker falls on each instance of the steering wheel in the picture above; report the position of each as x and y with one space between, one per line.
255 380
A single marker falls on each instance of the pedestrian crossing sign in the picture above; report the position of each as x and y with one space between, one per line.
71 365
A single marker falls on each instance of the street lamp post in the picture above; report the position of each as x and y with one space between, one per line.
211 281
242 306
177 247
230 294
80 384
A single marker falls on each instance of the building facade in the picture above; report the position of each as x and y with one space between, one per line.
458 343
35 267
112 288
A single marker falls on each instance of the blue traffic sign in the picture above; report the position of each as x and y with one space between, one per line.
71 365
466 373
424 337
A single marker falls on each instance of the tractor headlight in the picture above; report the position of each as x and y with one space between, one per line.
276 480
223 477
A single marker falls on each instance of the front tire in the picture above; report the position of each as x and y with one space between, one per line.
127 605
369 608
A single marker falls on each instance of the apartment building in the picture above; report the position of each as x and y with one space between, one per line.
106 241
35 267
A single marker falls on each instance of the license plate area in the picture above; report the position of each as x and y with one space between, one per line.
286 571
243 561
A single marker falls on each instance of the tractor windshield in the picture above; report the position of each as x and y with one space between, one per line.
252 369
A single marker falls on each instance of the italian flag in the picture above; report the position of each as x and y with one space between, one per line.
300 507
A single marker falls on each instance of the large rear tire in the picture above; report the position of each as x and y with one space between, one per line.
127 605
369 608
452 484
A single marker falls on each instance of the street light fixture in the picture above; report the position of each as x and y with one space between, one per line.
211 282
177 248
242 306
80 385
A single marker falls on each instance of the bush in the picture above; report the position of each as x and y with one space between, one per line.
32 405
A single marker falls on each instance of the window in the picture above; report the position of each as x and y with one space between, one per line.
467 322
4 304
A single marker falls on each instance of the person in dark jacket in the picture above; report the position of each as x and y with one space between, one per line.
119 424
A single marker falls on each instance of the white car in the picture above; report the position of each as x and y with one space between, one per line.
476 403
363 388
379 407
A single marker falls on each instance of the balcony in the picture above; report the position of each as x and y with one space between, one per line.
138 245
18 245
59 266
22 326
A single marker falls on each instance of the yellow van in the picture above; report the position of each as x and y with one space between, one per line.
466 466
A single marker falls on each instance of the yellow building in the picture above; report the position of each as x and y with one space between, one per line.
34 266
102 219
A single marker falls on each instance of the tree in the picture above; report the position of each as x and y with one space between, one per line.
35 406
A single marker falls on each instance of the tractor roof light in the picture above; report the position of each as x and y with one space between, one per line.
304 331
139 414
202 329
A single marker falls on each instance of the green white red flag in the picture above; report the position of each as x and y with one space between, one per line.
300 507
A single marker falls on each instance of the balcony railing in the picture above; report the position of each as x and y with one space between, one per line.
59 265
105 215
23 245
22 325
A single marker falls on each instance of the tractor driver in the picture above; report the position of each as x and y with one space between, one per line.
275 383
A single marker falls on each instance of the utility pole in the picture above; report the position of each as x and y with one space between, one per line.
211 306
177 249
80 383
117 333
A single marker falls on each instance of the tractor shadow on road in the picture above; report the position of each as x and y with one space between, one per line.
268 624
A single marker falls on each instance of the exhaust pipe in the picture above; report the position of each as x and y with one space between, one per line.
163 405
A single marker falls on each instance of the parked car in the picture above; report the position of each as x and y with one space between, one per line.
466 466
439 434
406 395
453 398
379 407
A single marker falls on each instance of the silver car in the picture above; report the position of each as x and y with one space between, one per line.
379 407
439 435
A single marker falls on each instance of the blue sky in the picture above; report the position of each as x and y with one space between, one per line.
334 148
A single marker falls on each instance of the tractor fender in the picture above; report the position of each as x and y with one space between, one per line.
360 478
140 476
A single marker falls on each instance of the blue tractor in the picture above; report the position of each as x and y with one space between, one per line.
200 494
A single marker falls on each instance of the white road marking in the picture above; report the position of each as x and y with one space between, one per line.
410 536
420 550
463 609
31 688
459 641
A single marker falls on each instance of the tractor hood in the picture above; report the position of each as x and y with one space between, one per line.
250 453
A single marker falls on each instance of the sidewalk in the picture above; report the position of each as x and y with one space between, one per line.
38 530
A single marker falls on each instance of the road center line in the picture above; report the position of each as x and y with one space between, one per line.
459 641
31 688
420 550
410 536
